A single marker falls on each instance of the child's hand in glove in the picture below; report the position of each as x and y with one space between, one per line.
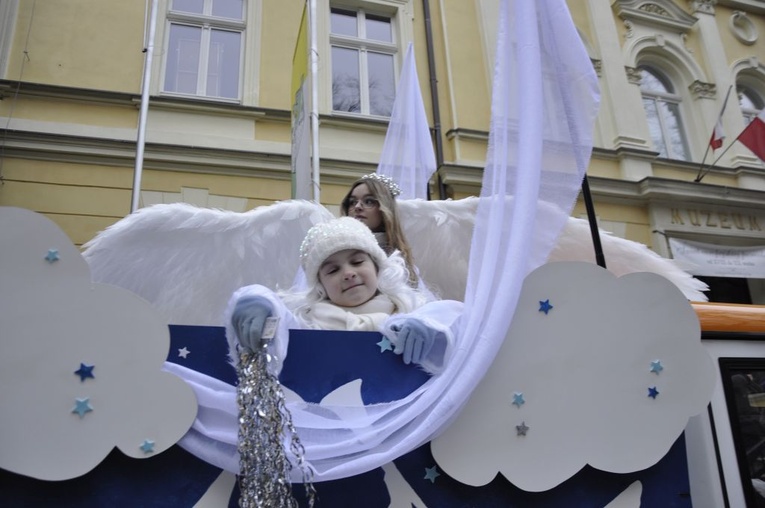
415 340
248 319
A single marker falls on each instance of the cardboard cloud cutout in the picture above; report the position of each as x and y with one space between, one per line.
607 376
80 363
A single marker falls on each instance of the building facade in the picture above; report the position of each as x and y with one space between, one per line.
217 128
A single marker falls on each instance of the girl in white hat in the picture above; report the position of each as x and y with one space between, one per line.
352 285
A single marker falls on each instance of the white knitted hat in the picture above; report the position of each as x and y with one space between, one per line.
327 238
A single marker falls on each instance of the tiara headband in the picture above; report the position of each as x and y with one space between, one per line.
387 181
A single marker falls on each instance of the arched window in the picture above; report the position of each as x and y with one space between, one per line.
750 102
662 108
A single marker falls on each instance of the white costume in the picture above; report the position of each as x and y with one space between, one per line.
377 315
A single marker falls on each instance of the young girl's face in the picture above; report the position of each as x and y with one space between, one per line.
349 277
363 206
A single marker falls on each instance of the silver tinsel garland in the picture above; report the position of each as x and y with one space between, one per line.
265 425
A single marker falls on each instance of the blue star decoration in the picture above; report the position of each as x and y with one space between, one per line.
52 256
147 446
544 306
521 429
82 406
656 366
85 372
431 473
518 399
653 392
385 345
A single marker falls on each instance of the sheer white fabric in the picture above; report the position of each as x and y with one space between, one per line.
545 98
407 154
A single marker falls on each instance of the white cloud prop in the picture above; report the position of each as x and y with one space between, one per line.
52 319
584 370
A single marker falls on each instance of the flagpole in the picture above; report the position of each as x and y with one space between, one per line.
699 175
144 110
314 101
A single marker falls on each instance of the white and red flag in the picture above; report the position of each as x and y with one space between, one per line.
718 135
753 135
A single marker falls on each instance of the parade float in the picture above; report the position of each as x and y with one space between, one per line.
572 384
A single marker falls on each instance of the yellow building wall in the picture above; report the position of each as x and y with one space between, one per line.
79 43
280 22
69 111
469 73
733 48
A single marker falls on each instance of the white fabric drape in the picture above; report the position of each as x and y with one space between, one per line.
407 156
545 98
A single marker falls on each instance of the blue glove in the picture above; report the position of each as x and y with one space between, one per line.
416 340
248 319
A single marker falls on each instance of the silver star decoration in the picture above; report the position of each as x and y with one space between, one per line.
183 352
521 429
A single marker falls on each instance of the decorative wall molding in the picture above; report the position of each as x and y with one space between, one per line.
750 6
684 40
742 28
634 75
703 6
597 64
701 90
630 31
663 14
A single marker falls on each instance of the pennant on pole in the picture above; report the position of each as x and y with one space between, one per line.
407 155
718 135
753 135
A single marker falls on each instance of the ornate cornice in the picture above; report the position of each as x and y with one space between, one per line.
750 6
662 14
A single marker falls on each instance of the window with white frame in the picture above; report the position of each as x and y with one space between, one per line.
662 108
363 52
204 48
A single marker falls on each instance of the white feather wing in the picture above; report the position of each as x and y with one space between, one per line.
187 261
623 257
440 233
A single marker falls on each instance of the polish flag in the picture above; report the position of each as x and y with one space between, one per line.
718 135
753 135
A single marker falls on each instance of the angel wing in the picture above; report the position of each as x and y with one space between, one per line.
187 261
623 257
439 233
